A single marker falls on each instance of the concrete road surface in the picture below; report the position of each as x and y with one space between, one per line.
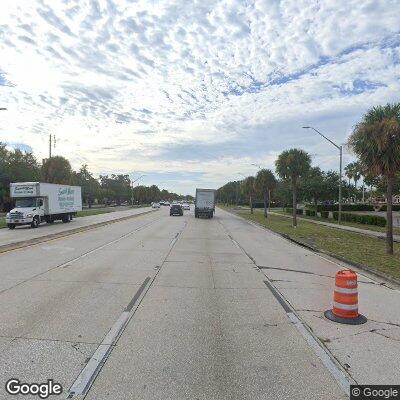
161 307
25 232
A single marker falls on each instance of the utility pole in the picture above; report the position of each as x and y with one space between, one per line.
50 145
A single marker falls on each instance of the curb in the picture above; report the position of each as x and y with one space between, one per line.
31 242
363 267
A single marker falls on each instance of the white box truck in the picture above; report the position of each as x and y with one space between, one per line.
204 203
37 202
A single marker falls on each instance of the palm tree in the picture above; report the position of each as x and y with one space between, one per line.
354 171
292 165
348 170
265 182
376 142
248 188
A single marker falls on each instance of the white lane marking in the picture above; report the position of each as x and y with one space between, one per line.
89 373
342 379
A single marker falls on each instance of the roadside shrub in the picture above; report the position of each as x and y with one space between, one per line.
345 207
361 219
396 207
311 213
325 214
289 210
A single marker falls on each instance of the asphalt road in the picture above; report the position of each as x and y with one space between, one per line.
161 307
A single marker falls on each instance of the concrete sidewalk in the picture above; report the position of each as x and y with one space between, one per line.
368 232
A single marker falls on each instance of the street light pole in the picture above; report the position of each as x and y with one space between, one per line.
340 148
3 109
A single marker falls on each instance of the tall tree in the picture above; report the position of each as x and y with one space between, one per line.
15 166
265 183
349 171
376 142
249 189
56 170
89 184
292 165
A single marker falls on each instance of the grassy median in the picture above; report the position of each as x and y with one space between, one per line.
374 228
352 246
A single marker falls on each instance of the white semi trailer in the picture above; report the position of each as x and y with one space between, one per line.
204 203
37 202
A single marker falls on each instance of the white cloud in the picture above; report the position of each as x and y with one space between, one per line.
185 85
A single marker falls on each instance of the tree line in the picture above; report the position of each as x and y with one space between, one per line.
375 141
20 166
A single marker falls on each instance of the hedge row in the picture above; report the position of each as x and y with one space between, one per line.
289 210
361 219
396 207
324 214
345 207
311 213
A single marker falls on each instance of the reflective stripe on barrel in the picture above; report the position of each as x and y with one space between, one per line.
345 299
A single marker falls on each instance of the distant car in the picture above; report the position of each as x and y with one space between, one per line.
186 206
155 205
166 203
176 209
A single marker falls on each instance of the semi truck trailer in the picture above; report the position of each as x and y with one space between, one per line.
37 202
204 203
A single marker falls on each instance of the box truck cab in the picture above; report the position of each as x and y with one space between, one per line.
204 203
37 202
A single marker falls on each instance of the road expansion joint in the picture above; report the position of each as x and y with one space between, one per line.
90 372
13 338
386 323
389 281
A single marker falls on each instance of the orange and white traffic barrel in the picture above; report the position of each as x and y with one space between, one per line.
345 300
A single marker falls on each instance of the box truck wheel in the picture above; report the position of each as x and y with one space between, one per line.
35 222
65 218
11 226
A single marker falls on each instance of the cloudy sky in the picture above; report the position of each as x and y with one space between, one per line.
191 93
